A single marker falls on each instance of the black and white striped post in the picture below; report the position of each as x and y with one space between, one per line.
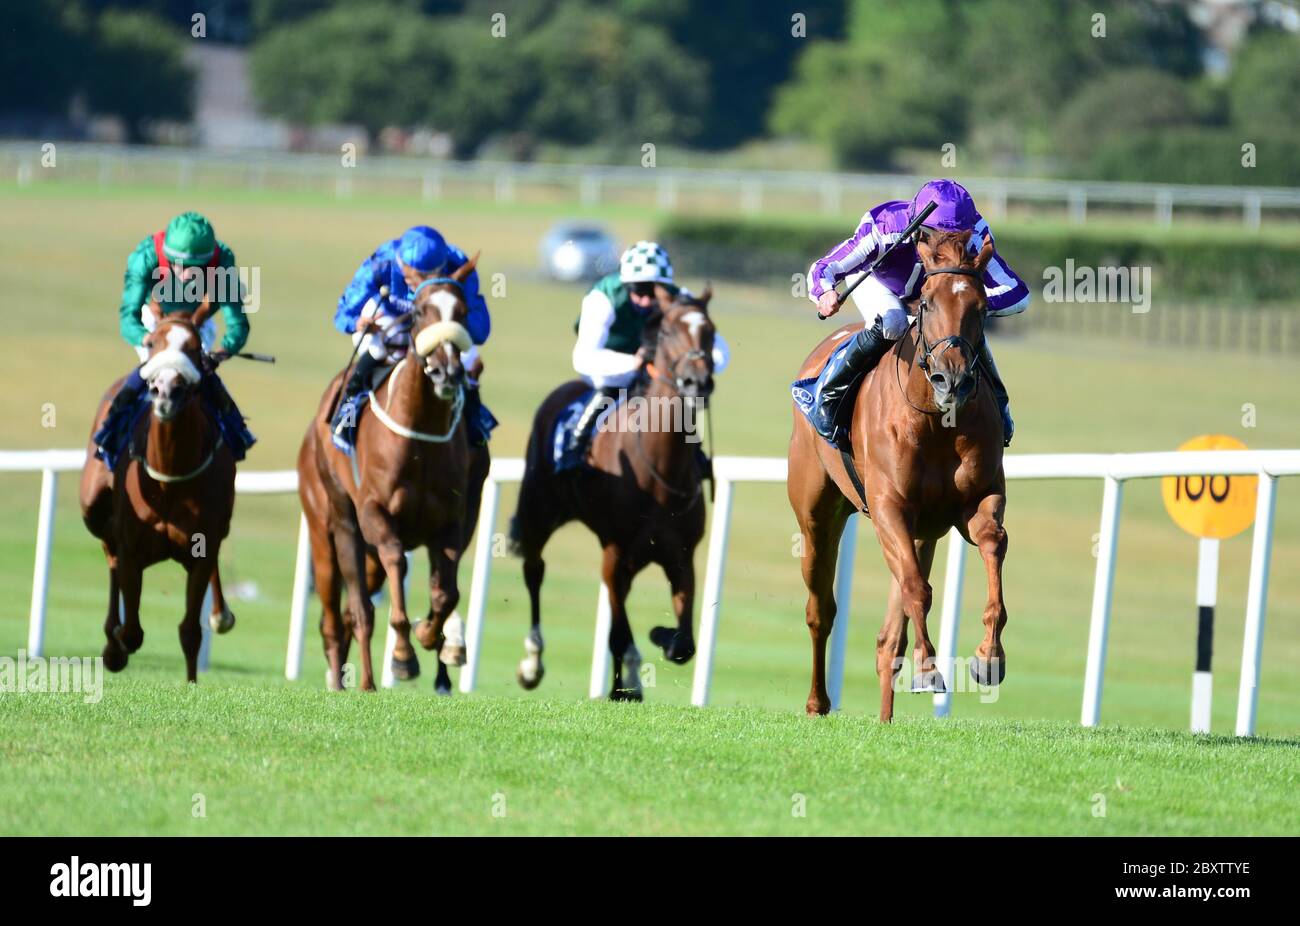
1207 593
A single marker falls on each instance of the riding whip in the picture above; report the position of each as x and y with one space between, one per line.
906 235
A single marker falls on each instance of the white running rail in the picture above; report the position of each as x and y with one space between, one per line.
1113 469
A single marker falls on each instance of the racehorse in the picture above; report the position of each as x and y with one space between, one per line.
412 480
926 452
170 496
640 492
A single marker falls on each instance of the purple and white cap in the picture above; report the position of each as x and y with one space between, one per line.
955 210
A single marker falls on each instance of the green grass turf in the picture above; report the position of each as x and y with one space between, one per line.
61 267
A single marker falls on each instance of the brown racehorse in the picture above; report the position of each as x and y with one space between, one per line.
170 497
927 442
413 481
641 492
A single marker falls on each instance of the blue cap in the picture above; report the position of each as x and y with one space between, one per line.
422 248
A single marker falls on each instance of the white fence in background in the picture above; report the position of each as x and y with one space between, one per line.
430 180
1113 469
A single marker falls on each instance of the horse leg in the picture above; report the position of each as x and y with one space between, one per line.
822 513
198 577
444 595
679 645
926 677
222 619
378 528
113 654
334 634
531 542
985 530
351 560
910 596
617 576
129 634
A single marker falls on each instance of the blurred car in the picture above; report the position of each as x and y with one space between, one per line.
573 251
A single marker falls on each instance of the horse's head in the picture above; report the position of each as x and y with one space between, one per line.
438 328
951 315
175 364
683 350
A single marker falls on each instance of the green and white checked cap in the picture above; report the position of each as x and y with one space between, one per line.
645 262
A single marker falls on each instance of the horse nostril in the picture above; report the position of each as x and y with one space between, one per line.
939 381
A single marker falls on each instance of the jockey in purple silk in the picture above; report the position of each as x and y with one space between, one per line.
881 297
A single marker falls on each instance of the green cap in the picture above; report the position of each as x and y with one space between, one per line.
189 239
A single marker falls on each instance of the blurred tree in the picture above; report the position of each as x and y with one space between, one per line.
373 64
1264 86
888 86
43 49
138 70
1121 102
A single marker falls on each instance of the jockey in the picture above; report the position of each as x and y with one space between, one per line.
401 265
609 353
173 271
898 280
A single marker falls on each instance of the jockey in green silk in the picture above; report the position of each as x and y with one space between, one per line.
174 270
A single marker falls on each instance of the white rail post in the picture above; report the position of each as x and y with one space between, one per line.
600 657
298 603
711 601
205 646
843 595
1103 586
478 583
41 572
954 575
1207 594
1252 647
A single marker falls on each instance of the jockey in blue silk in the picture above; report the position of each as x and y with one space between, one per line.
881 297
401 265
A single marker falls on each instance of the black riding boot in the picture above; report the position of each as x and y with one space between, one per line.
582 434
238 437
344 423
850 366
999 392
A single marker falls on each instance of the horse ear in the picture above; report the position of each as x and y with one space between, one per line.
705 296
202 313
461 274
985 255
925 251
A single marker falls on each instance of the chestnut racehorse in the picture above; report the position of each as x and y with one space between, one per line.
926 443
170 497
640 491
412 481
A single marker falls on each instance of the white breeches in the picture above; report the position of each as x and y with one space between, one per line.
874 300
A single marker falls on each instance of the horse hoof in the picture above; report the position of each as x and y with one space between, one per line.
405 669
119 634
928 683
988 671
425 633
223 622
677 646
816 708
452 655
626 694
115 657
528 680
442 686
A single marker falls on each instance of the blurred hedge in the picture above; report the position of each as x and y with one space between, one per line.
1230 266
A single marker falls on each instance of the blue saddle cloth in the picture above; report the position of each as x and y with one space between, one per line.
562 458
114 440
807 393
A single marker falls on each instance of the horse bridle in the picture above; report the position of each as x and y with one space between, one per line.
953 340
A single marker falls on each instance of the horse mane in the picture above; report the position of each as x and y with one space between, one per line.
949 248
